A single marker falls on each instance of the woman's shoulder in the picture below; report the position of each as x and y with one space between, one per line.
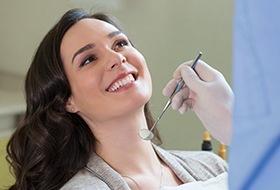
201 162
194 165
83 180
200 157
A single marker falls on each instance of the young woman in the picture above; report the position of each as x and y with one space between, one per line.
87 93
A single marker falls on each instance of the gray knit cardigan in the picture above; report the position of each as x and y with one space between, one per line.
189 166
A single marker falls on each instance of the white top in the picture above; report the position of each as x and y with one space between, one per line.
218 183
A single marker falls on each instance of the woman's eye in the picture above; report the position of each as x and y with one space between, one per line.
88 60
121 43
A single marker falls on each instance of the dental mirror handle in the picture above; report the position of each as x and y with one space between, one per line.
176 90
148 134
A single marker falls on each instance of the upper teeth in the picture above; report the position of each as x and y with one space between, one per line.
118 84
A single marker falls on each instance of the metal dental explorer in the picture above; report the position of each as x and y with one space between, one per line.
147 134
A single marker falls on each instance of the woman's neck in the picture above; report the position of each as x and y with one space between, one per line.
122 148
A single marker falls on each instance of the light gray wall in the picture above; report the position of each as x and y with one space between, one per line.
167 32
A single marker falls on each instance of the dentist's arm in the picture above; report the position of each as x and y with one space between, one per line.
208 94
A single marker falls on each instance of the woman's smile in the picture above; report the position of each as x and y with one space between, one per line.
123 80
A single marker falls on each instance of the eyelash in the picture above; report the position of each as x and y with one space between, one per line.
121 43
88 60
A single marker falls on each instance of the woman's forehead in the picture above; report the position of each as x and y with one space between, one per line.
84 32
94 25
87 30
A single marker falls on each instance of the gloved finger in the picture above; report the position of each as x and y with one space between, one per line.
179 98
203 70
206 72
191 79
187 104
177 72
169 88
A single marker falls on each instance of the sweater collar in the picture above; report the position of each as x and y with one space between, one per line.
102 170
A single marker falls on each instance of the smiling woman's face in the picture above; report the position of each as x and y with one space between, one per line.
107 75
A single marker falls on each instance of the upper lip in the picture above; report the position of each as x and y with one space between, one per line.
122 75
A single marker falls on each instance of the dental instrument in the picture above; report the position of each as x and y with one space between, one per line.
147 134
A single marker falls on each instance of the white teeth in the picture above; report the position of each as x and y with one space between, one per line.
126 80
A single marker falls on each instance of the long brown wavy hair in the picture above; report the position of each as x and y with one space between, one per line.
51 145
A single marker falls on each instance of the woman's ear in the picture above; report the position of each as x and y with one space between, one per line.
71 106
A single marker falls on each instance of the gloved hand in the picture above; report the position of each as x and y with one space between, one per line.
208 94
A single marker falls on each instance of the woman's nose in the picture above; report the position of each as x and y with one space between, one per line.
116 60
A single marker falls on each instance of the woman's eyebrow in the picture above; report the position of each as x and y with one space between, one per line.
90 46
114 33
83 49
